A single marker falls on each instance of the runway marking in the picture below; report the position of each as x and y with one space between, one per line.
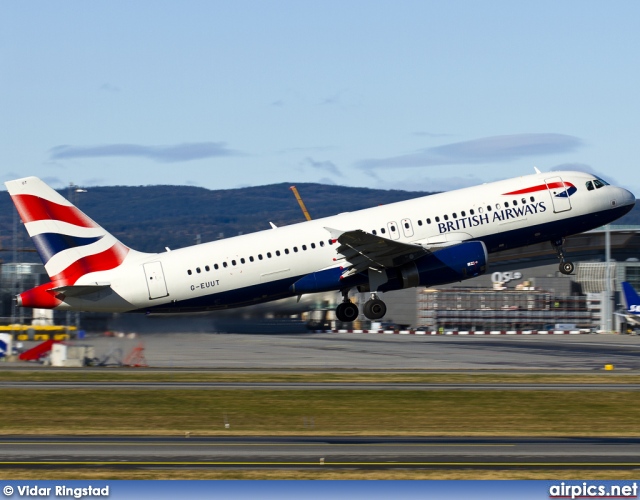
60 443
325 463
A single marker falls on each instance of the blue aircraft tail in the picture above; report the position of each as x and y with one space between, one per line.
631 298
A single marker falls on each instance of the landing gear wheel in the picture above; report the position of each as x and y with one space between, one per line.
347 312
566 267
374 309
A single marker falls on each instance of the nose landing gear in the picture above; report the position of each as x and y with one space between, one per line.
566 266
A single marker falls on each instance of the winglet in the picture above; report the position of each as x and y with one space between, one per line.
537 171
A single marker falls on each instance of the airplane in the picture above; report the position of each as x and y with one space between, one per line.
632 301
428 241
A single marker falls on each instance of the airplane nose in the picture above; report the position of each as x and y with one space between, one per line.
623 199
626 197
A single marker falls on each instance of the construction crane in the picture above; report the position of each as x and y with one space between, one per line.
300 202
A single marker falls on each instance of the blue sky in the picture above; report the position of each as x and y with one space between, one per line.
417 95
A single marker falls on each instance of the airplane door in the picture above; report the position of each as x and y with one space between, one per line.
407 228
155 280
394 231
559 194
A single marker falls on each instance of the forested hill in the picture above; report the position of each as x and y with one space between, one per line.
150 218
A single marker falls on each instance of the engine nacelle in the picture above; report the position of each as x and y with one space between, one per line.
447 265
450 264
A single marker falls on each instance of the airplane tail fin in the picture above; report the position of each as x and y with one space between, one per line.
631 297
69 243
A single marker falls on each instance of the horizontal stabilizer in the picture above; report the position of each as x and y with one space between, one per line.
80 290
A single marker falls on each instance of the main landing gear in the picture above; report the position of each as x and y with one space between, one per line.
347 311
566 266
373 309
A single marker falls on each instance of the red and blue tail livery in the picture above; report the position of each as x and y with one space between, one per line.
428 241
69 243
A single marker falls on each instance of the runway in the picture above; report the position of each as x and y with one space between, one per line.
343 354
329 451
331 351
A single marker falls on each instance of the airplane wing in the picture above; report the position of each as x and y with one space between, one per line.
362 251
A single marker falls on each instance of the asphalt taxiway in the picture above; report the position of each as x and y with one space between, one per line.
499 452
354 351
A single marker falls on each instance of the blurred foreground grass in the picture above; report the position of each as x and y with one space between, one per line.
318 412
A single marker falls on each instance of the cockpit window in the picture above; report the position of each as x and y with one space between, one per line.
602 182
589 186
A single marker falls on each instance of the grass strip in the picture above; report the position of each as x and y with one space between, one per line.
117 375
334 412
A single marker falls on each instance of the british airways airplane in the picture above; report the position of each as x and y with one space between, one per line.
428 241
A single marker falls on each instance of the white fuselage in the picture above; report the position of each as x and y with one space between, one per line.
261 266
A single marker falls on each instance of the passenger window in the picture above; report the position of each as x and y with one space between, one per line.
233 262
251 258
471 212
198 270
269 254
488 208
242 260
224 264
437 219
259 256
189 272
286 250
515 202
374 232
330 242
506 204
322 243
216 267
304 247
463 213
446 217
383 231
524 201
207 268
454 215
419 222
497 206
532 199
313 245
428 221
295 249
406 224
278 253
393 229
589 186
